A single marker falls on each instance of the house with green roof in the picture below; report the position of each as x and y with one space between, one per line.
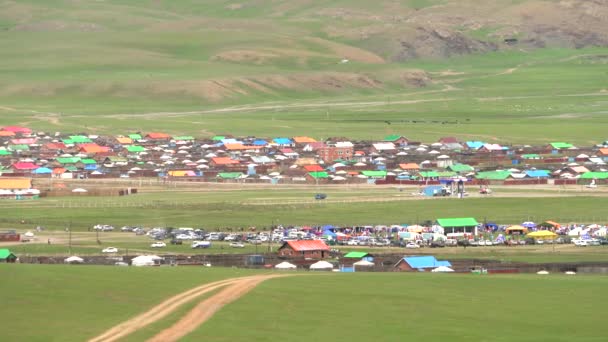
396 139
560 145
378 174
7 256
319 174
77 139
135 137
19 147
458 225
229 175
67 160
461 168
135 148
531 156
4 152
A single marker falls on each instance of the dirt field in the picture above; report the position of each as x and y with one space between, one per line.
237 287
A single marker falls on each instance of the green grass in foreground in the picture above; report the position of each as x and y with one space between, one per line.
414 307
73 303
220 214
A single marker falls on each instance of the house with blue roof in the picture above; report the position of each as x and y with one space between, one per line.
537 173
421 263
474 145
283 142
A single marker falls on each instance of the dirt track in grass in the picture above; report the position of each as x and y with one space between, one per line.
236 287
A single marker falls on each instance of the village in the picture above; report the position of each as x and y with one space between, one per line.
26 155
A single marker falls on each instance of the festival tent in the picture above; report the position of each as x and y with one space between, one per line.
321 266
517 228
542 234
145 260
529 224
73 260
442 269
285 266
415 229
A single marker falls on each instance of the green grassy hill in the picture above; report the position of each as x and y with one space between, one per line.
305 67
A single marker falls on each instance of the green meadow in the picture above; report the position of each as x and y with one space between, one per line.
86 300
262 208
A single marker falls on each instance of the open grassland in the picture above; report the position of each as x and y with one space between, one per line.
75 303
424 69
263 207
85 301
393 307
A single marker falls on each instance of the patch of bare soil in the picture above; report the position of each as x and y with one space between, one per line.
207 308
168 306
349 52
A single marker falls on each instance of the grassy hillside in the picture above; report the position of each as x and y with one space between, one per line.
275 67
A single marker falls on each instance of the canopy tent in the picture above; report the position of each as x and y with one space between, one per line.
542 234
517 229
321 265
145 260
285 266
529 224
363 263
73 260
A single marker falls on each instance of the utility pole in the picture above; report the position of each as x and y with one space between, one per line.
70 237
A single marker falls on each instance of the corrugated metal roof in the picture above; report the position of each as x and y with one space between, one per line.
308 245
427 261
457 222
356 254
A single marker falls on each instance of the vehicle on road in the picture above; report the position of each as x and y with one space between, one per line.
201 244
158 244
236 245
110 250
412 245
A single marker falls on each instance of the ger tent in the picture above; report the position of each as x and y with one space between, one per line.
73 260
442 269
285 266
321 266
145 260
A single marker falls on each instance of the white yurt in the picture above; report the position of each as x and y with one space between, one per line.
285 266
321 266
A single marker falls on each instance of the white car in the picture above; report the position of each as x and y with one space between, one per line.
159 244
412 245
110 250
236 245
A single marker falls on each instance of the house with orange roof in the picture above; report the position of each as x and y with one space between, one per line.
93 148
223 161
303 140
158 136
124 140
7 134
241 147
409 166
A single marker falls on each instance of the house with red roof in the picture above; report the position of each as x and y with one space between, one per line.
24 166
17 129
308 249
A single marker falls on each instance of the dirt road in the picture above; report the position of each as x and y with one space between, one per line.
205 309
237 288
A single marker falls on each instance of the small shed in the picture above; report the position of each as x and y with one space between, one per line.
7 256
